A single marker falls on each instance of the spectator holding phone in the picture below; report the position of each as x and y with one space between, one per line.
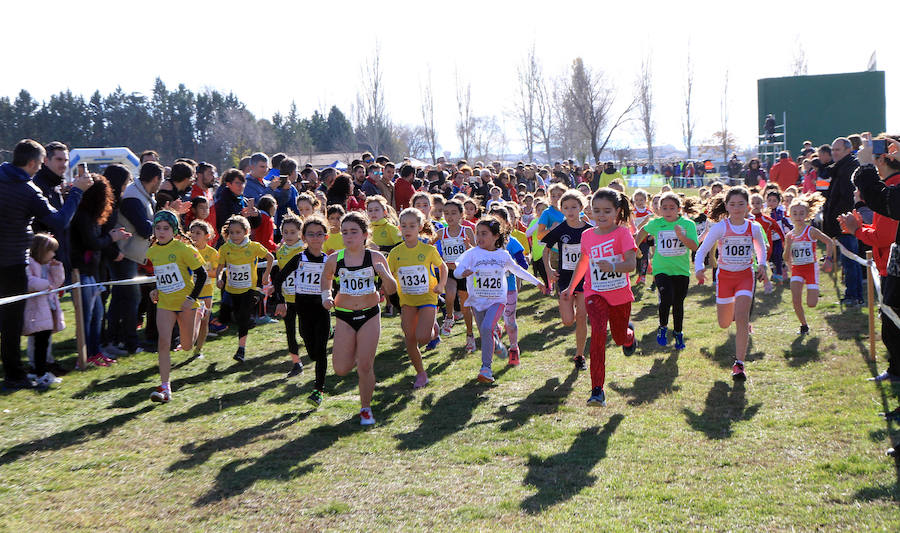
839 200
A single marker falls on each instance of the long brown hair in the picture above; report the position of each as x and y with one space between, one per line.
97 200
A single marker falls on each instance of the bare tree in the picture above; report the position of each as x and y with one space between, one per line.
644 88
486 135
465 122
372 120
543 118
529 72
798 61
428 118
411 141
590 97
723 117
688 123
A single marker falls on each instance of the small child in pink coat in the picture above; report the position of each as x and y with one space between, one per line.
43 315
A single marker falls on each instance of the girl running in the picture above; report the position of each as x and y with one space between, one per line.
568 237
385 235
673 235
453 240
290 246
737 238
238 258
473 210
485 267
201 232
609 251
537 248
335 240
800 254
304 270
774 234
642 215
307 205
422 201
358 324
517 251
413 264
179 279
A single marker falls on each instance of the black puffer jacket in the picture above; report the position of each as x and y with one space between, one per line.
839 196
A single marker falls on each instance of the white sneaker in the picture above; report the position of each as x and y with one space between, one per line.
499 349
48 379
470 344
457 316
448 325
365 417
160 395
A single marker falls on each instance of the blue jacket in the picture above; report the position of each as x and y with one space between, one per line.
49 184
255 189
21 203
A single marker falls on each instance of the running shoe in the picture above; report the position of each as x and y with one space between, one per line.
295 370
662 336
448 325
470 344
160 395
737 371
499 349
421 380
885 376
642 279
598 398
211 335
315 399
457 316
804 330
580 363
433 344
47 379
514 356
776 278
264 319
108 360
365 417
892 415
679 340
216 327
239 355
97 360
629 350
485 376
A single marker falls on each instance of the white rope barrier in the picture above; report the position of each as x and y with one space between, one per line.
876 279
133 281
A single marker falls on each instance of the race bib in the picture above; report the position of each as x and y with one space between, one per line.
413 279
802 253
308 278
357 282
669 245
453 248
239 276
607 281
168 278
288 288
571 253
737 250
488 284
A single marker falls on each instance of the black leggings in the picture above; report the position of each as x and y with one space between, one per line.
242 306
538 266
644 261
315 328
672 292
290 328
41 345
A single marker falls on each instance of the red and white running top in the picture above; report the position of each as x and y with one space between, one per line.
803 249
736 245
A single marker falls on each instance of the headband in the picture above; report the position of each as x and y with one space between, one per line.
167 216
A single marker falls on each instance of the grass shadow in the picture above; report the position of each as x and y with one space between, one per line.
542 401
723 355
802 351
724 406
447 416
139 395
225 401
561 476
657 381
72 437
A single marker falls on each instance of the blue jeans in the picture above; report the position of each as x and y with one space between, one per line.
92 303
853 274
123 305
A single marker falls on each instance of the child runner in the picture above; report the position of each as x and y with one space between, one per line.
453 240
737 237
201 232
568 237
422 201
305 268
608 254
239 257
335 240
307 205
413 264
800 254
517 251
774 234
642 215
358 324
485 267
179 279
537 248
385 235
290 246
473 210
528 213
673 235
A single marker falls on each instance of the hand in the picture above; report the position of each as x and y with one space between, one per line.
275 182
84 182
268 289
154 296
54 263
701 277
543 288
553 275
187 305
865 155
850 222
281 310
179 207
606 266
566 294
680 233
380 269
451 265
119 234
250 211
464 274
828 265
119 257
328 304
438 289
220 284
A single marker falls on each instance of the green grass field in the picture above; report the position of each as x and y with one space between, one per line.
679 447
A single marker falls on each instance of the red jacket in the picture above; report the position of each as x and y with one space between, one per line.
771 228
209 194
880 234
403 193
265 233
785 173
